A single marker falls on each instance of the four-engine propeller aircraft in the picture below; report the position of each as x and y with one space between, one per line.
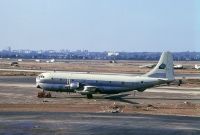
88 84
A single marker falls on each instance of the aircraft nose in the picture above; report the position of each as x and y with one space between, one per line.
37 79
37 82
38 86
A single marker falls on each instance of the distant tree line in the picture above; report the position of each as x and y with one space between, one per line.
86 55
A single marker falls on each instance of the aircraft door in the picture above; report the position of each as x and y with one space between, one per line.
68 84
68 81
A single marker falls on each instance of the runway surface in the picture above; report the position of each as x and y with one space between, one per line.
18 79
96 124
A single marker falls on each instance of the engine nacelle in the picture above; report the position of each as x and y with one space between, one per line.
74 85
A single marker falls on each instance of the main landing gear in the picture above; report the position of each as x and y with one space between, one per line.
89 96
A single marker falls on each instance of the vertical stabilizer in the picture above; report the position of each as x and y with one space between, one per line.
164 68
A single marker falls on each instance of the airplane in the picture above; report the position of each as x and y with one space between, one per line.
88 84
197 67
147 66
179 66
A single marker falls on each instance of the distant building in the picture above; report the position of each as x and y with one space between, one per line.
113 54
9 49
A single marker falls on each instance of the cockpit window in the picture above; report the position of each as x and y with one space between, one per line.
41 76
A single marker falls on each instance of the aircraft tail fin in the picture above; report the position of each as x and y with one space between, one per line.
164 69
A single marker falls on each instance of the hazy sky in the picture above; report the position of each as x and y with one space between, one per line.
99 25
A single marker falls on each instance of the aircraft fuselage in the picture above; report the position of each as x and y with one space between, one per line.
108 84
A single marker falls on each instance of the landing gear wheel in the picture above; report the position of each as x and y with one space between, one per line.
48 95
168 83
180 82
89 96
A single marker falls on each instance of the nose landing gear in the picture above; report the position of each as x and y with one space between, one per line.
89 96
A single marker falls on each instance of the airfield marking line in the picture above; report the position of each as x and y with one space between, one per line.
173 91
17 85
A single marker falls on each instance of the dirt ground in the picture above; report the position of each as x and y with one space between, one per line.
130 67
23 97
191 110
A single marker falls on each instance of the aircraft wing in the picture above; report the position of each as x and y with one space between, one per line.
87 90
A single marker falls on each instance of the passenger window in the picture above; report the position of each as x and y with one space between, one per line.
122 83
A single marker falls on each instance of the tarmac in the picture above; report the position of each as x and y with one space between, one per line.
163 110
73 123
